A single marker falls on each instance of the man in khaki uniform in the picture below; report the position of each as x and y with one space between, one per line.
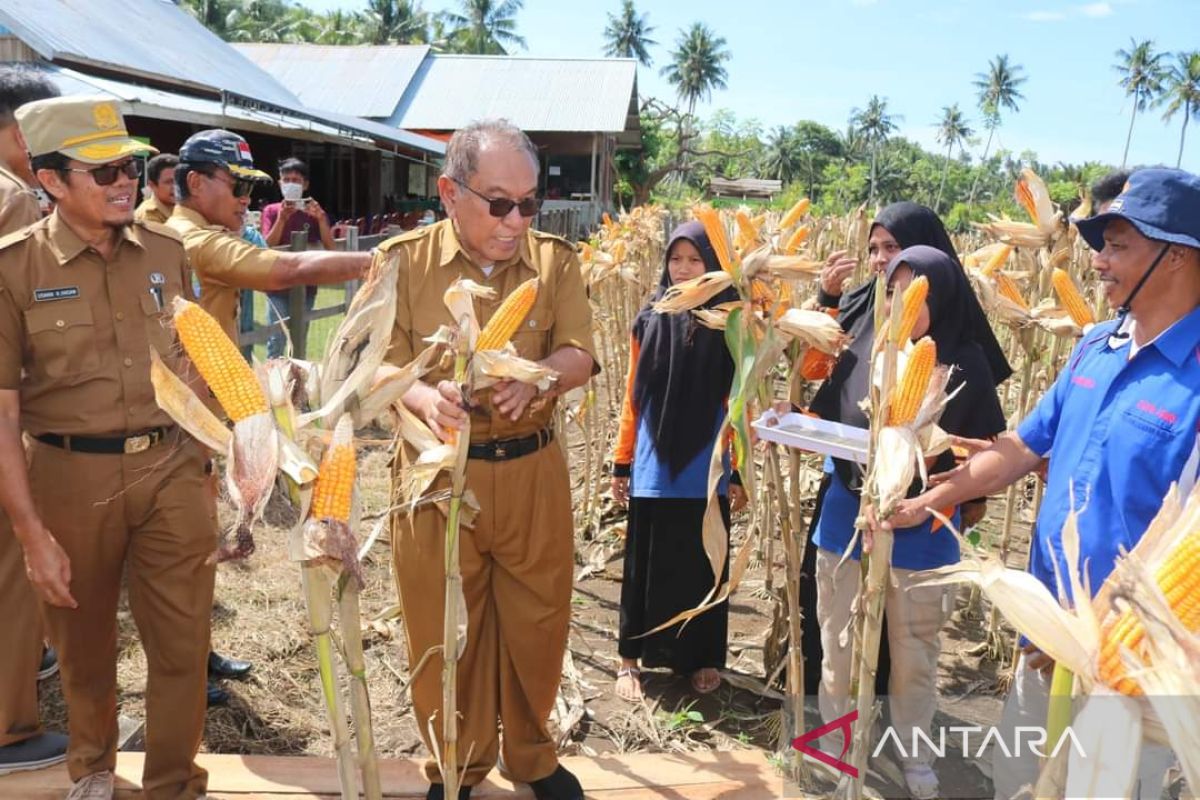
23 745
213 183
111 486
160 180
517 560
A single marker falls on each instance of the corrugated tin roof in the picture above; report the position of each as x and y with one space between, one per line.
536 94
360 81
152 37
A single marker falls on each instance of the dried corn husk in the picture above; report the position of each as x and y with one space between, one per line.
693 293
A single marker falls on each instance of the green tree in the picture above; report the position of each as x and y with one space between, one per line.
484 27
697 65
952 131
998 89
1142 75
627 35
781 159
1182 93
874 124
396 22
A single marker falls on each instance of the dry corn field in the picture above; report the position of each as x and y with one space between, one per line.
1027 276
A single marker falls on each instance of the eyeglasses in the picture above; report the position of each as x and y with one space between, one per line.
239 186
107 175
502 206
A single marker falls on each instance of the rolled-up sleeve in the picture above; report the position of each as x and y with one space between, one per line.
222 258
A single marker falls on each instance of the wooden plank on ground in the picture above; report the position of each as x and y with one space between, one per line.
744 775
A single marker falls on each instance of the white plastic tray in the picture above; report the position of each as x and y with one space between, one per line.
814 435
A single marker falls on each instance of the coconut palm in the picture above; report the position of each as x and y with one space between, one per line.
396 22
484 27
697 65
953 131
1181 92
781 159
874 124
998 90
1142 75
627 35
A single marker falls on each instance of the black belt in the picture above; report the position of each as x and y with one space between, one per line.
137 443
505 449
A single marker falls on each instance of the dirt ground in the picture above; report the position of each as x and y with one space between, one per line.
260 616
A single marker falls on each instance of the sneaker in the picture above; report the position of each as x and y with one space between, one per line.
921 781
97 786
49 664
558 785
36 752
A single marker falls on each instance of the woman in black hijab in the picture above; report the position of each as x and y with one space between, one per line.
916 614
675 398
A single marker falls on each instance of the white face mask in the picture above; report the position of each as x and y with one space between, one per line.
292 191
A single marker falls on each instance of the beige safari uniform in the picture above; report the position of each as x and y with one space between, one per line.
151 210
225 262
517 561
75 339
22 654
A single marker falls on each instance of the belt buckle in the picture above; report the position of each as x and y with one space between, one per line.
499 451
137 444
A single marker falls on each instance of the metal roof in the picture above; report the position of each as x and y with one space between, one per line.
535 94
365 81
153 38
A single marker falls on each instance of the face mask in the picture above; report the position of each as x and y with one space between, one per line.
291 191
147 192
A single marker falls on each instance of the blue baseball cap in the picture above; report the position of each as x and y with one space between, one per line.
225 148
1163 204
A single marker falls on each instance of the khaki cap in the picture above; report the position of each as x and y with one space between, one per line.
89 129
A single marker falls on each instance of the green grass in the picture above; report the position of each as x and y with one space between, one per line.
318 332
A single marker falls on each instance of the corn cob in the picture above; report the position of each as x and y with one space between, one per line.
795 240
745 226
1179 579
913 300
335 483
1008 288
1072 301
997 260
910 392
710 218
219 362
508 317
794 213
1024 196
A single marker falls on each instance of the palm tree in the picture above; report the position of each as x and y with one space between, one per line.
997 90
781 158
1142 76
1182 92
396 22
874 124
484 27
697 65
628 35
953 130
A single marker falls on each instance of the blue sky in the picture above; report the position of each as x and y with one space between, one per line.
822 58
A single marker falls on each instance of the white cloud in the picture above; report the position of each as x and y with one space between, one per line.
1045 16
1096 9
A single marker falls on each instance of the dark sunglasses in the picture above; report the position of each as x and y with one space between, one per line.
239 186
107 175
501 206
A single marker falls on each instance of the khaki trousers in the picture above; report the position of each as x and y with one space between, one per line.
517 570
915 618
21 654
152 517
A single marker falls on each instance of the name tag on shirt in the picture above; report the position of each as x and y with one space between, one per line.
61 293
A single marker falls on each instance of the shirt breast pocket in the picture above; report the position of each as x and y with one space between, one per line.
1141 426
62 338
532 337
158 321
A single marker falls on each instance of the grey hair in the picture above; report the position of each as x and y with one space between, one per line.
462 153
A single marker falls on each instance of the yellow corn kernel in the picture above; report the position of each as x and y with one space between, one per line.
508 317
1008 288
1024 196
795 213
219 362
910 393
714 227
913 301
997 260
746 226
795 240
1070 298
1179 579
334 487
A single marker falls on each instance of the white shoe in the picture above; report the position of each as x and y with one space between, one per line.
922 782
97 786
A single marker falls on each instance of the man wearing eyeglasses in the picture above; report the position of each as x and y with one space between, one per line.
112 487
517 560
213 183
